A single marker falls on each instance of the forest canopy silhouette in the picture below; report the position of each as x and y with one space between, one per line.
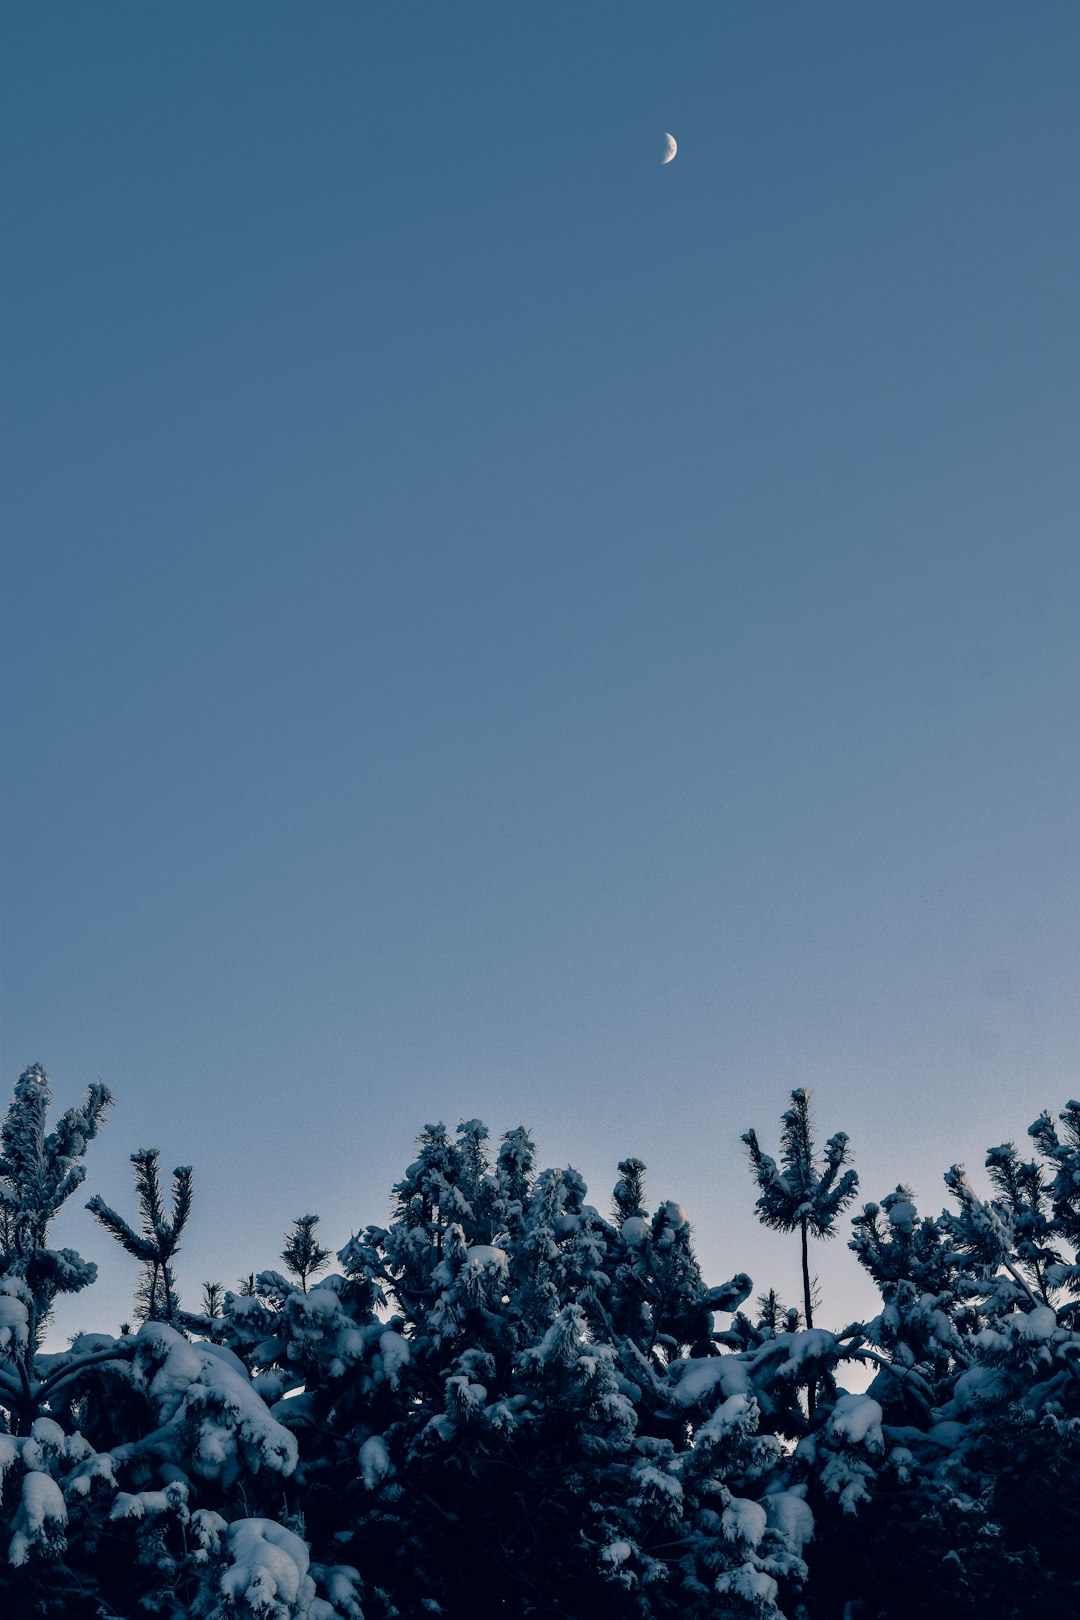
509 1401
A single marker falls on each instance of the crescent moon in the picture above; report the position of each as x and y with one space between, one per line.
670 148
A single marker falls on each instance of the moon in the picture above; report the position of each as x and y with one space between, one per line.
670 148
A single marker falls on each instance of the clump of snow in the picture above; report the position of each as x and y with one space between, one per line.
564 1340
208 1528
902 1214
848 1478
903 1461
635 1229
810 1344
486 1271
394 1353
749 1583
143 1504
222 1353
14 1317
46 1443
210 1405
269 1571
49 1435
374 1461
698 1376
341 1582
744 1520
89 1344
788 1512
9 1451
948 1433
96 1465
485 1256
1041 1323
857 1418
738 1412
41 1518
979 1386
465 1396
616 1552
656 1486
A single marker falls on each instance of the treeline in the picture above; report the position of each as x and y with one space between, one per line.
507 1402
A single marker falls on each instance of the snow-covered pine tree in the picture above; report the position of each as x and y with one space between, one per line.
156 1297
513 1177
139 1475
504 1387
489 1412
969 1494
918 1329
1063 1151
1023 1198
658 1298
39 1171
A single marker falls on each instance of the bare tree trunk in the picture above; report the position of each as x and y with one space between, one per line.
808 1312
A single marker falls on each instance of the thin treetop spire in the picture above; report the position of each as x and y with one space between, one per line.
801 1194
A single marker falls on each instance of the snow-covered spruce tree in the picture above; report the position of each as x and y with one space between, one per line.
507 1403
156 1297
1063 1152
962 1498
464 1395
39 1171
139 1475
658 1300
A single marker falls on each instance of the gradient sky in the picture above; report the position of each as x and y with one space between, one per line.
495 626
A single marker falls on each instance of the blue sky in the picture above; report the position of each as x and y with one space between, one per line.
496 626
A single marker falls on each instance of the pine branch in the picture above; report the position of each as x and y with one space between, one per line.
148 1189
182 1192
139 1248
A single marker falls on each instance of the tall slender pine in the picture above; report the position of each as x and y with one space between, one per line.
802 1196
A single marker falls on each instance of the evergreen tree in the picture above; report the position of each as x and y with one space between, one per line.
39 1170
107 1447
801 1195
156 1298
504 1385
1023 1199
513 1176
212 1293
628 1195
774 1316
1065 1159
303 1254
